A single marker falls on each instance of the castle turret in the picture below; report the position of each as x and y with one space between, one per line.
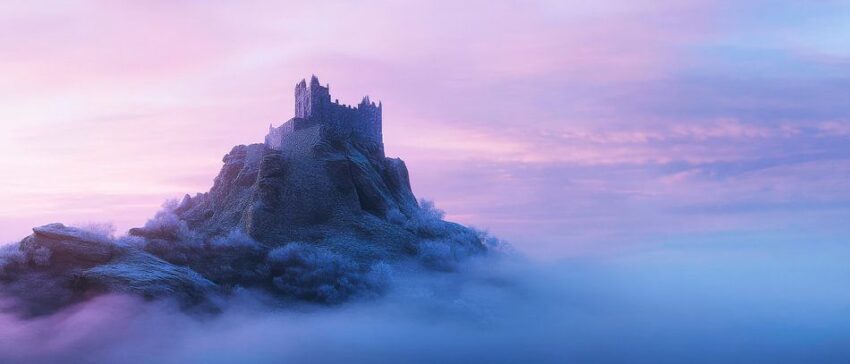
302 100
312 102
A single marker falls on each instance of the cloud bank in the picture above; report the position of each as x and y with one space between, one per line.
749 303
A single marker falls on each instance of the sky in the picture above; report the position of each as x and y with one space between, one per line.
676 171
568 128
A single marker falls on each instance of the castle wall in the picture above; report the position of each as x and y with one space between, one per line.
275 135
313 106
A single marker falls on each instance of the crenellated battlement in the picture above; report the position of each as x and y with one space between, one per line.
313 106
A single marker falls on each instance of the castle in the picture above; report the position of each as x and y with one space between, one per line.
313 107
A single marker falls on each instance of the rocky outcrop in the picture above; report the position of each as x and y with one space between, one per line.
318 188
66 247
58 265
320 216
141 273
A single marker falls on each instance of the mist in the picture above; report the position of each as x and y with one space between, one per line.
756 302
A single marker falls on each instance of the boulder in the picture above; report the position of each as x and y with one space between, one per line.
62 246
144 274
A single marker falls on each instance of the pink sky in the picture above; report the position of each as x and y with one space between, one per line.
560 125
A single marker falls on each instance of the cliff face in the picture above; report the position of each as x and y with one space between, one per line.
320 188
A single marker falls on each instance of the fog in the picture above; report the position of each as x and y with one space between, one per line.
755 302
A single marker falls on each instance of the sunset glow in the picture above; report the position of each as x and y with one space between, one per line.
692 116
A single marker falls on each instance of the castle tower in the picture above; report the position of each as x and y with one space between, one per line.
312 102
368 121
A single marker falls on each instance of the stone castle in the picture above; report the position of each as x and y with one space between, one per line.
313 107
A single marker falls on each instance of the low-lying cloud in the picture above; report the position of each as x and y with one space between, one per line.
746 303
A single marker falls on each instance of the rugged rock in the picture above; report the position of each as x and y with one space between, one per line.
319 188
141 273
62 246
316 213
58 265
